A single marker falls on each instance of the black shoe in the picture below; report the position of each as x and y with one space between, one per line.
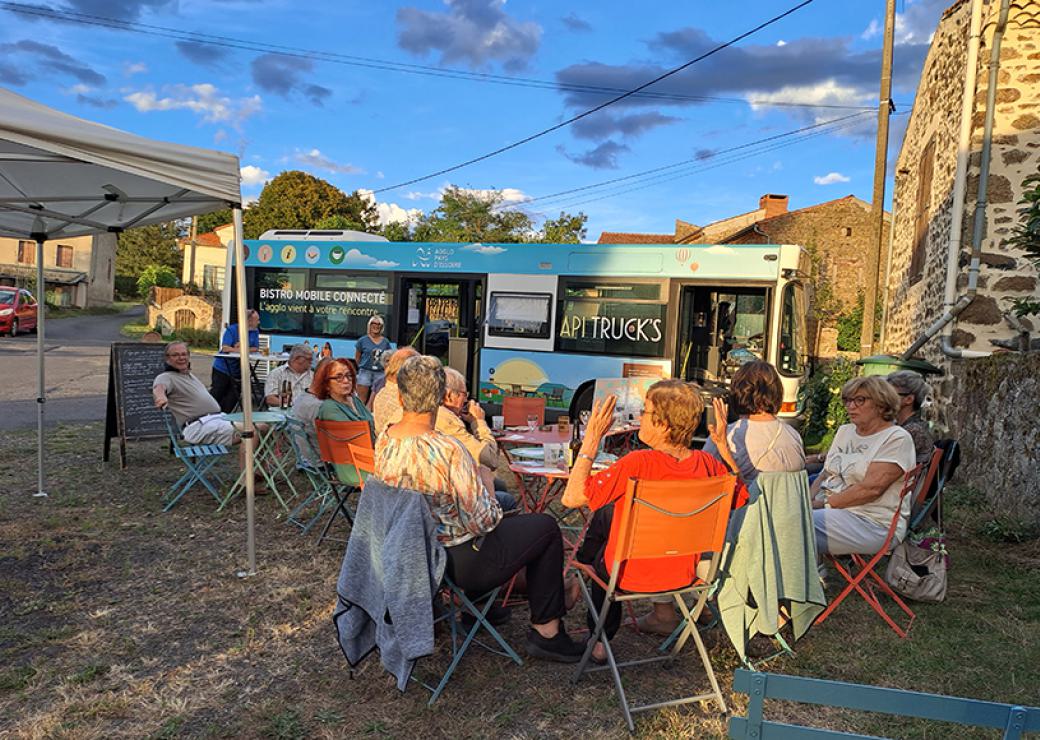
497 616
560 647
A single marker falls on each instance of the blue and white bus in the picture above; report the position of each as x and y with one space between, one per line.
541 319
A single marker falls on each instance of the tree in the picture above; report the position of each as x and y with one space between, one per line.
397 231
296 200
144 246
209 221
339 222
465 216
566 229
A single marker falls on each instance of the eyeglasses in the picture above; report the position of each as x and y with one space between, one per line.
177 354
904 393
341 377
854 401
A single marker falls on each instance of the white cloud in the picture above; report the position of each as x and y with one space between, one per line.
419 195
872 30
509 195
80 89
357 257
390 213
315 158
828 92
248 200
203 99
252 175
781 42
483 249
830 178
134 68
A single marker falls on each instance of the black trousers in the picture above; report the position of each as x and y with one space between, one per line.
591 553
224 388
523 540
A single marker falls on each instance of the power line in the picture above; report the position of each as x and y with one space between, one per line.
684 162
601 106
229 42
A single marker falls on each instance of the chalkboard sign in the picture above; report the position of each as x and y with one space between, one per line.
131 411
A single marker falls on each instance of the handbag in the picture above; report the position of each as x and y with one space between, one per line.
917 567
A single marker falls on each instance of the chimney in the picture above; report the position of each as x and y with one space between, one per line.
773 204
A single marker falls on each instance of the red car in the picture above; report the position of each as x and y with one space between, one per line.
17 311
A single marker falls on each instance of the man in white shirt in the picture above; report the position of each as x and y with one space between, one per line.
297 371
196 411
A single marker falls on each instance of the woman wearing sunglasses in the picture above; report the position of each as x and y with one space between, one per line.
856 495
334 383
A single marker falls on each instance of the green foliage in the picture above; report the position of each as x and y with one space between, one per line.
159 275
465 216
137 249
1026 235
209 221
197 338
850 324
126 287
566 229
339 221
1024 306
1004 529
397 231
823 403
297 200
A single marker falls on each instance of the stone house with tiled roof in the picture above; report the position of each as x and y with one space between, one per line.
925 174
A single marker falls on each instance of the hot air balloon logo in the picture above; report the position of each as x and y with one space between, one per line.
682 255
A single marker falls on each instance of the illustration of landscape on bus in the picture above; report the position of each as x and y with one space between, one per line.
557 377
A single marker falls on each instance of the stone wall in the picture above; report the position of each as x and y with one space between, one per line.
205 313
993 414
914 305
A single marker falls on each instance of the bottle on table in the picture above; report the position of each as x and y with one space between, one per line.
283 392
575 445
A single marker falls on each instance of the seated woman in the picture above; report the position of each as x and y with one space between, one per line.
759 441
484 549
334 384
913 390
671 413
857 493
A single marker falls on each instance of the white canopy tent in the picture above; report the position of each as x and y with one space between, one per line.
62 176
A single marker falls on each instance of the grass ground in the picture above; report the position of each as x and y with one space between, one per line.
117 620
60 312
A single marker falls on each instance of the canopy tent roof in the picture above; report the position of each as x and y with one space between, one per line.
64 176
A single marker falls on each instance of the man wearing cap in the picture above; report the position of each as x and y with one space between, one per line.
297 371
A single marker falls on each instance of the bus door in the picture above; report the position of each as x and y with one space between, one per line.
442 317
720 328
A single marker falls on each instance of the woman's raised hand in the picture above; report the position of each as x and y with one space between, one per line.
600 420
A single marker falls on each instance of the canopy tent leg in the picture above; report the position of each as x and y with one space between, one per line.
41 398
248 433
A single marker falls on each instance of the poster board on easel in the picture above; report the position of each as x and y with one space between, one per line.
130 410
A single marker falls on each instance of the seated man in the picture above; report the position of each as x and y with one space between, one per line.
386 407
197 413
297 371
463 419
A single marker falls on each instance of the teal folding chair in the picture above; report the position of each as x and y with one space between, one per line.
199 461
456 604
308 461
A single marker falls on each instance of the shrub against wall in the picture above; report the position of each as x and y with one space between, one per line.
824 408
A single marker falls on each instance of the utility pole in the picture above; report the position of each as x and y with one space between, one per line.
877 213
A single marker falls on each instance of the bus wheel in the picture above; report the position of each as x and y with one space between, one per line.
582 399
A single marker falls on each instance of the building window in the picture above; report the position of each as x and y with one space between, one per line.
27 253
922 218
212 278
847 231
611 317
63 258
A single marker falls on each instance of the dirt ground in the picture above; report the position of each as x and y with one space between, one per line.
117 620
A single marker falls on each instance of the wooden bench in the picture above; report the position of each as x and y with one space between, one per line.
1012 719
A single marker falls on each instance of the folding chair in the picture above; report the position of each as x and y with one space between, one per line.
334 439
939 474
516 409
863 565
308 461
198 459
674 523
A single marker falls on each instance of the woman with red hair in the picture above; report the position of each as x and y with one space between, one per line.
334 384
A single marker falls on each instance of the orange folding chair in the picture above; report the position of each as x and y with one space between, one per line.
675 523
334 441
863 565
516 409
364 461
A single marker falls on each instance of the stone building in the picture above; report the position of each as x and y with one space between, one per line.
77 271
205 261
925 174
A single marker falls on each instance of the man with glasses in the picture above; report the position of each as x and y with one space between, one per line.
196 411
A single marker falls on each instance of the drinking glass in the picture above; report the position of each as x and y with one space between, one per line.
532 422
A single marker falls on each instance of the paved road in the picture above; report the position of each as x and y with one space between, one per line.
76 351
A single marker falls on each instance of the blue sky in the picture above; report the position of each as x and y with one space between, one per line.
369 127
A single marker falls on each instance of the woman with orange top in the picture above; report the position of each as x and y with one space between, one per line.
671 413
